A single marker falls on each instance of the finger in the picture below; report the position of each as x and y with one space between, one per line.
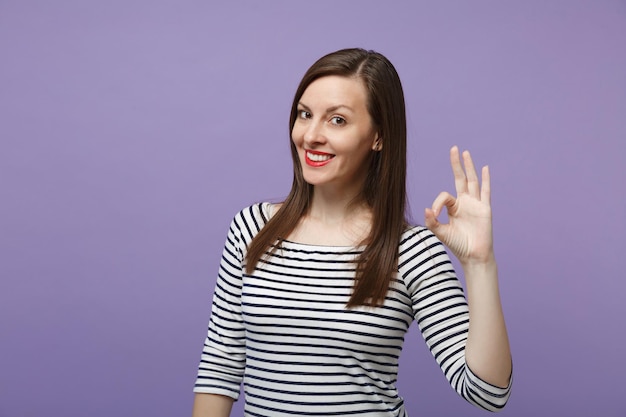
430 220
473 186
485 190
460 182
443 199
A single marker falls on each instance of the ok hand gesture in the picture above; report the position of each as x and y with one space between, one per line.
469 231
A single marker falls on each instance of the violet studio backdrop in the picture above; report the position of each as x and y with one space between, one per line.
132 131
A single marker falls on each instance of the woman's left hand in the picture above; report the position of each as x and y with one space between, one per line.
469 231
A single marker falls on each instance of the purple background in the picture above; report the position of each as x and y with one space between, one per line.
132 131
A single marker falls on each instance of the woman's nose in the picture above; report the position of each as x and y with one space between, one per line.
314 133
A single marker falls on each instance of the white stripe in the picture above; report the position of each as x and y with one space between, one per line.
306 353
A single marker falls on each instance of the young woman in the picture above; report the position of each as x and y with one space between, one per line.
314 295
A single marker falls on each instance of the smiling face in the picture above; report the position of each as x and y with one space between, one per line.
333 133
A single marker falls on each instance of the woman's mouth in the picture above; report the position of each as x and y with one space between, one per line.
317 159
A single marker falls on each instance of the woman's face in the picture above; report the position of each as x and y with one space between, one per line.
333 132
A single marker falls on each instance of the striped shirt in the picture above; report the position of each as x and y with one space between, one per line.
285 332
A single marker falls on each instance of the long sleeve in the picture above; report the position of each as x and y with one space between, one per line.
442 315
223 356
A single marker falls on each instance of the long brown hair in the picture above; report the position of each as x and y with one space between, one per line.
384 190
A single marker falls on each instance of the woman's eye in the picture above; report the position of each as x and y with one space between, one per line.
303 114
338 121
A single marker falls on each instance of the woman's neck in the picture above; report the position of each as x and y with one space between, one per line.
334 219
335 204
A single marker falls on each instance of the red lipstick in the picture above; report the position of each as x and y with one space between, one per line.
327 158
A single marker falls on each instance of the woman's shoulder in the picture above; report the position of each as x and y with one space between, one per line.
417 238
252 218
258 213
422 256
412 231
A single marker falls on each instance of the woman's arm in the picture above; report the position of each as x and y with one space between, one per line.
469 236
211 405
487 352
223 358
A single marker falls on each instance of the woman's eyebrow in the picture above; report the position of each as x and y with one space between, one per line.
337 107
328 110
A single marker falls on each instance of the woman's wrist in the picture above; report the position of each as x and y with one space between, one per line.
486 264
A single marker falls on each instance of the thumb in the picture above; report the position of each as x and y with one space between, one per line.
431 220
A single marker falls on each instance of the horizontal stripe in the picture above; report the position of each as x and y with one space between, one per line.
284 331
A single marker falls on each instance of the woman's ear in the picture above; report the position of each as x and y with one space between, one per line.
378 144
